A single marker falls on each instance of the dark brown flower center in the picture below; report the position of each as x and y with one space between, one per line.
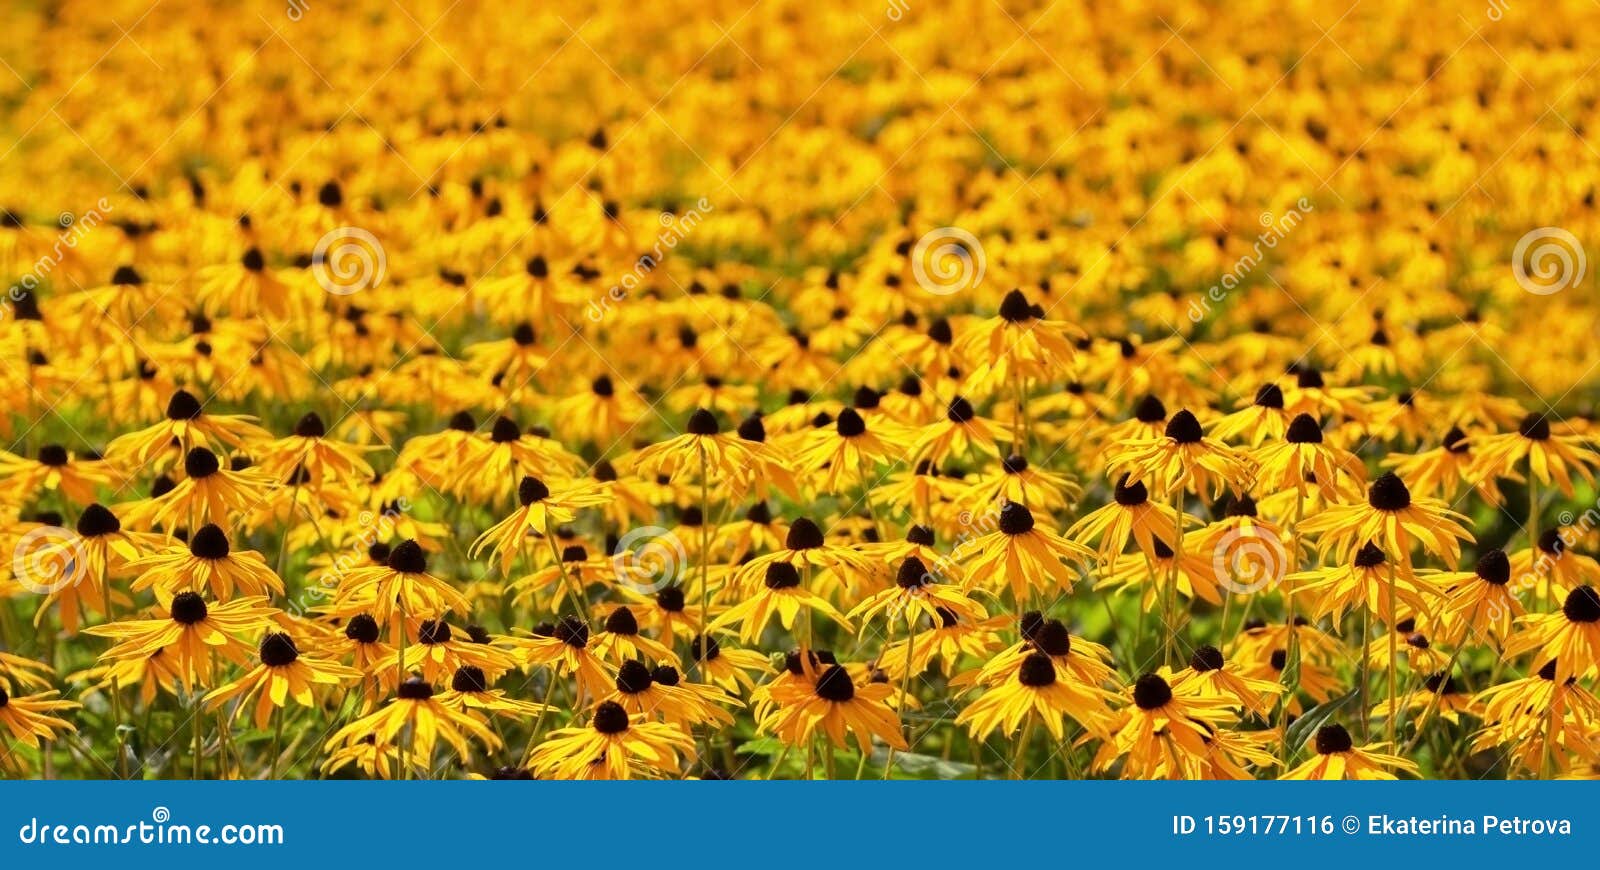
1151 692
1333 738
834 684
1036 670
1388 493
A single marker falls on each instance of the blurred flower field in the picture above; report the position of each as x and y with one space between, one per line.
779 390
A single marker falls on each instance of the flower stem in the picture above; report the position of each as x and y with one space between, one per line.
705 564
1394 642
1365 666
277 743
905 684
1019 757
1533 536
1170 604
198 721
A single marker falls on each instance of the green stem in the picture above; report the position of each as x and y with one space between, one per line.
1394 643
905 685
1019 757
1365 673
277 743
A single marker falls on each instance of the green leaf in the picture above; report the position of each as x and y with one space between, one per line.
760 746
914 766
1307 725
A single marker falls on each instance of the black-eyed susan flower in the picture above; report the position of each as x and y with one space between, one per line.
1543 720
1549 453
614 745
1443 471
1570 637
1022 555
917 592
564 647
208 563
471 688
701 451
960 432
1162 734
31 719
1262 420
414 722
1037 693
1210 675
193 632
186 426
401 586
1479 603
1366 581
1130 514
835 707
1301 461
208 493
781 595
732 669
620 639
440 651
1391 519
54 469
540 511
281 675
1339 758
1182 459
